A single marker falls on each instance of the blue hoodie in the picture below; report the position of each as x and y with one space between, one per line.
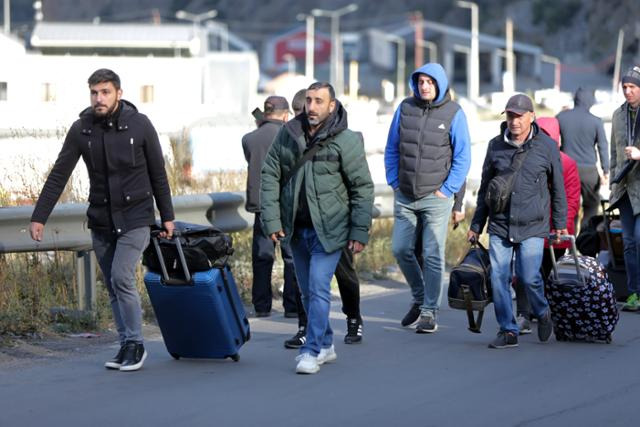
458 134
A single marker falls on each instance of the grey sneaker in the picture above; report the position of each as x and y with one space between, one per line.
504 340
545 327
524 325
427 324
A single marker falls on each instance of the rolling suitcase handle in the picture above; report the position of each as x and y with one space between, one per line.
574 251
165 276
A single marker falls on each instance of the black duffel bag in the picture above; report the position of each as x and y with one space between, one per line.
470 284
204 247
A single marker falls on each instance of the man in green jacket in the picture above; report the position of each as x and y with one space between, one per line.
319 206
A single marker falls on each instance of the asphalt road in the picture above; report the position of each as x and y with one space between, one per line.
394 378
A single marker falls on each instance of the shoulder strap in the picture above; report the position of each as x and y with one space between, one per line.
307 155
518 159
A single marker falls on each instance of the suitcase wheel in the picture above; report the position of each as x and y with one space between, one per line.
608 339
175 356
235 357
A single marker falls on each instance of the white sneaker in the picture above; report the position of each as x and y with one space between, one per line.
327 355
307 364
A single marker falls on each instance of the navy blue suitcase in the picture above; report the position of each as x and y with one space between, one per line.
200 316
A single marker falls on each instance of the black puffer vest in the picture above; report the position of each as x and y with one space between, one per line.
425 145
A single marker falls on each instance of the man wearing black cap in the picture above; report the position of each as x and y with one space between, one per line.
523 222
255 145
625 195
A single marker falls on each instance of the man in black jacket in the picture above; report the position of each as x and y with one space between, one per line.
581 132
124 160
523 225
255 145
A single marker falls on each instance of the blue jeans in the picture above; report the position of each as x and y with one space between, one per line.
631 242
314 270
433 214
527 267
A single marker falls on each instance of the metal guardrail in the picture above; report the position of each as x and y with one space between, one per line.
66 228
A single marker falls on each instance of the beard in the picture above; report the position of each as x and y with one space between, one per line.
107 112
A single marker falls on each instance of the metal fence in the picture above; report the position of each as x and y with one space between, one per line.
66 228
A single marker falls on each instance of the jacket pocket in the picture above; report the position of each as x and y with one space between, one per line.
137 195
98 200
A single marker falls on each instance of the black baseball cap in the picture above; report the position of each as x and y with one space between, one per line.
275 103
519 104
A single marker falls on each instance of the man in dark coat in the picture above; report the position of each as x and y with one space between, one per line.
124 160
256 144
581 132
524 224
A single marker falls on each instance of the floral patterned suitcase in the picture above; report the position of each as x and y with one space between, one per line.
582 299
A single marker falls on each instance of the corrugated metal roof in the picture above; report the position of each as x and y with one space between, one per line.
56 34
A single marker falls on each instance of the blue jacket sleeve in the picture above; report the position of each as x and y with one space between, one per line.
392 152
461 160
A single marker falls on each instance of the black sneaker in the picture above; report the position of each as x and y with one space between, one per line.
545 327
354 331
298 339
116 361
134 356
412 315
504 340
427 324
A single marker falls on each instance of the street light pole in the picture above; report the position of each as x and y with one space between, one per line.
7 17
196 19
433 49
510 85
400 64
474 66
336 75
309 56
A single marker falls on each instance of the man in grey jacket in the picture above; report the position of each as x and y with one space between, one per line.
256 144
581 132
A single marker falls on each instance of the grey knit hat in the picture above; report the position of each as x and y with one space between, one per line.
632 76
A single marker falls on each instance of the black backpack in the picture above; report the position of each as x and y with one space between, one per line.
204 247
470 284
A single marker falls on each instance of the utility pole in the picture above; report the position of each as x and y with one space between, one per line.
309 56
509 84
416 18
400 65
616 68
337 75
474 65
7 17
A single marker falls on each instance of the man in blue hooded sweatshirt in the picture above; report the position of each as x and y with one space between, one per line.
427 159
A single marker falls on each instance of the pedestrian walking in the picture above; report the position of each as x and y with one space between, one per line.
521 183
255 145
121 150
582 133
427 158
317 194
625 194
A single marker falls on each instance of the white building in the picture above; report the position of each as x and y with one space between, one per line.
168 77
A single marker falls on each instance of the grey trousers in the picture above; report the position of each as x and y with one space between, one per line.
118 257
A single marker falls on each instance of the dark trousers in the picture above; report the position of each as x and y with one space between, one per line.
348 285
262 257
590 192
522 302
